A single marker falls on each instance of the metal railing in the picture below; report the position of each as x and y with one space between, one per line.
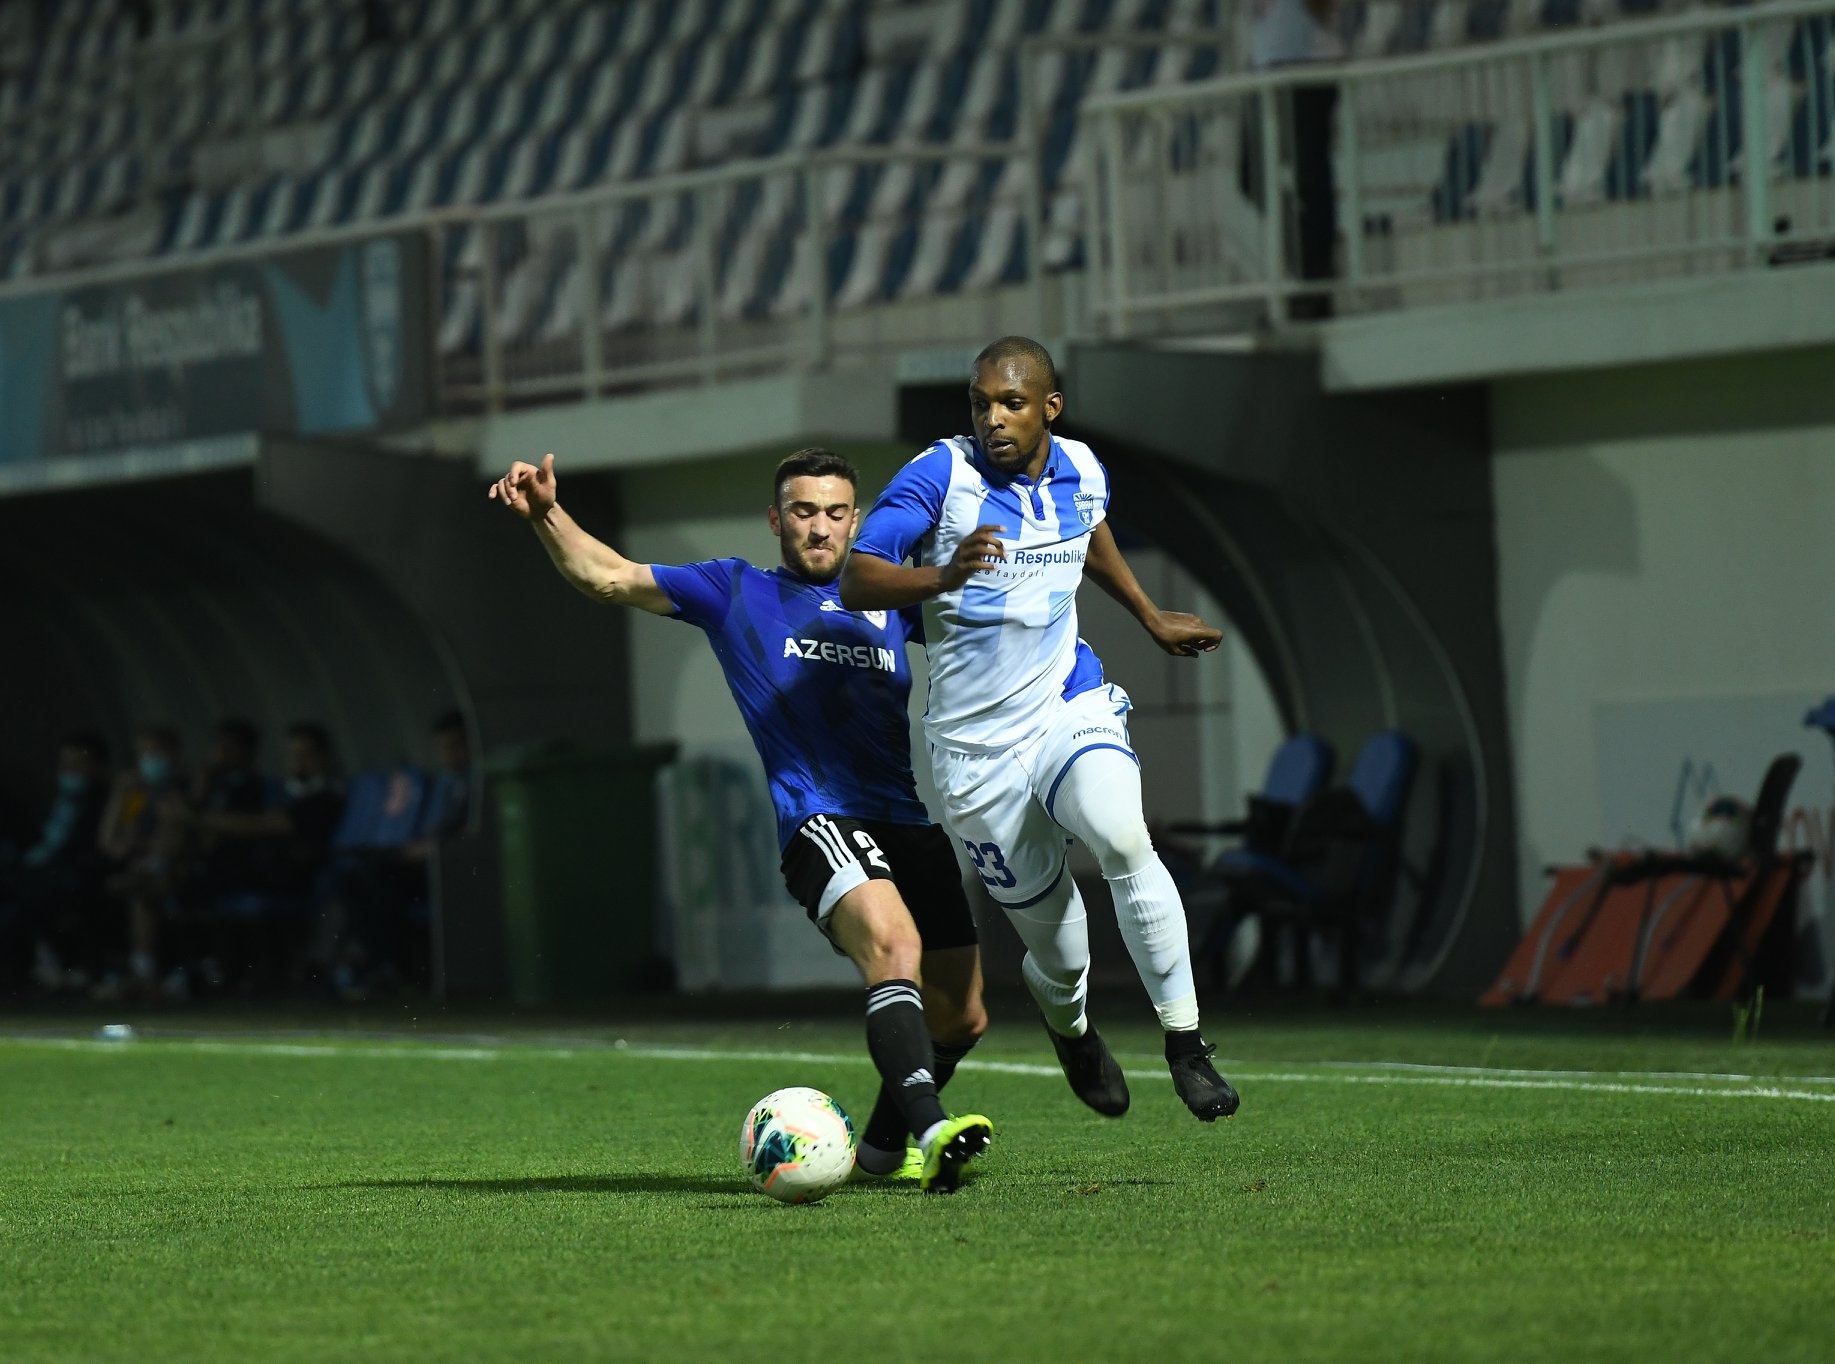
1576 159
720 272
756 265
773 263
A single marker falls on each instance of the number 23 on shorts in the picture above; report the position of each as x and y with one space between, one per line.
989 863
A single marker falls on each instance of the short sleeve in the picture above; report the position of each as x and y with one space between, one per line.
701 592
909 508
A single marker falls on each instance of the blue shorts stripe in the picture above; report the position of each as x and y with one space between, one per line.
1052 795
1033 900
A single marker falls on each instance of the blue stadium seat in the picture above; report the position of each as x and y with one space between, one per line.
382 810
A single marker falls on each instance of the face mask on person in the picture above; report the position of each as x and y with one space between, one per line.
72 783
155 769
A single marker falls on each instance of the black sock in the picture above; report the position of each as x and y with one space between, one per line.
885 1130
949 1054
900 1044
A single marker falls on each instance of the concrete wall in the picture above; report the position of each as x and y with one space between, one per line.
1664 561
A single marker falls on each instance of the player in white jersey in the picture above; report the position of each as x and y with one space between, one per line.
1028 741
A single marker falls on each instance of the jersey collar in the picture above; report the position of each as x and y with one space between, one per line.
986 469
784 575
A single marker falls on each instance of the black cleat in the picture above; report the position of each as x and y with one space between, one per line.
1094 1075
1206 1093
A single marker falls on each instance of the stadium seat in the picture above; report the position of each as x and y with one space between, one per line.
1582 176
1499 186
488 101
1465 158
1336 862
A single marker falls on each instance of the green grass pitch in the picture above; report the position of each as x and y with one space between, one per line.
301 1197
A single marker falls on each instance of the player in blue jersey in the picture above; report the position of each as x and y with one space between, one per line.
1028 740
824 692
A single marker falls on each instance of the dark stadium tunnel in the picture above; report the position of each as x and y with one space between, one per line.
181 601
332 581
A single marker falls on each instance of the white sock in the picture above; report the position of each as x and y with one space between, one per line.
1152 921
1099 800
1061 1000
1057 965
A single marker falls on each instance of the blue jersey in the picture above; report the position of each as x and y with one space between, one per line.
823 690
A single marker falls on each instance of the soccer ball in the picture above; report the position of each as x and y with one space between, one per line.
1724 828
797 1145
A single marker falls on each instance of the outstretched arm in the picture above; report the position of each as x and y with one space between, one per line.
1177 632
870 583
593 566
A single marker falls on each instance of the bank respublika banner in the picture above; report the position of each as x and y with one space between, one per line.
326 339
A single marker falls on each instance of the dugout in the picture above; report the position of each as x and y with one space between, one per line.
342 583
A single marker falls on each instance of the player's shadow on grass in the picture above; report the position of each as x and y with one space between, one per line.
602 1184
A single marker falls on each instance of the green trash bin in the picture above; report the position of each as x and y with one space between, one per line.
581 869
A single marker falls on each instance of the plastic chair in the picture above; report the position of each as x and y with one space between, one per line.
1336 863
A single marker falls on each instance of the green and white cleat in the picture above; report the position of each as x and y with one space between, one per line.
957 1142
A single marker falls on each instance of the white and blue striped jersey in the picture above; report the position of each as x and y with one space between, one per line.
1003 648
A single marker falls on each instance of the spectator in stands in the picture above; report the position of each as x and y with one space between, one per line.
53 894
145 832
1288 33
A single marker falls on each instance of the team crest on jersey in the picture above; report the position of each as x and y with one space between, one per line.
1086 508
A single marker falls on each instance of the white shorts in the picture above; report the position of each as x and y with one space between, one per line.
997 806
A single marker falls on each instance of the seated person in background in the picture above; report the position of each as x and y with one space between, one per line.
145 832
229 784
292 841
448 809
376 893
50 904
286 849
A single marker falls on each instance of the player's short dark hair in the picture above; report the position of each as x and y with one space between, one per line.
242 733
313 733
812 461
89 742
1021 348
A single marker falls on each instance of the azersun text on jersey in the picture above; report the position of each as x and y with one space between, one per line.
823 690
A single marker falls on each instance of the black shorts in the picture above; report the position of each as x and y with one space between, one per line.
832 854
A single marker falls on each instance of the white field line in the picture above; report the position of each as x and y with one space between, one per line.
1330 1072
